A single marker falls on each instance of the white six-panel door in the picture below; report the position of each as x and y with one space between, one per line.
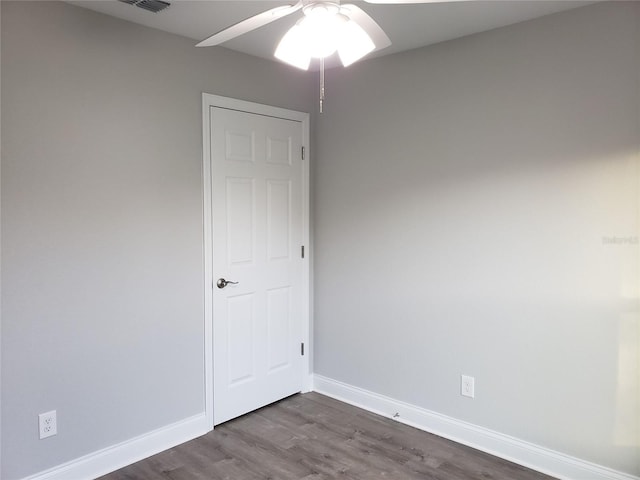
257 234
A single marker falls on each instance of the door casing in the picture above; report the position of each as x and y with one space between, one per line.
209 101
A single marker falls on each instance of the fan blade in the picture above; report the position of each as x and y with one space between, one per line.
368 24
396 2
250 24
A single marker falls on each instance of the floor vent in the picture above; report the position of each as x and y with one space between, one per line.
154 6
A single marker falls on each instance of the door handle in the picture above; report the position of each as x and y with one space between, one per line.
221 283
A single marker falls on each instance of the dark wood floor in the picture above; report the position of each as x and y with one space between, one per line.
313 437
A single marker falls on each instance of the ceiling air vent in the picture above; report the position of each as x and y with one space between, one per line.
154 6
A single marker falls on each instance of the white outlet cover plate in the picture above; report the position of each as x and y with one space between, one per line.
48 424
467 386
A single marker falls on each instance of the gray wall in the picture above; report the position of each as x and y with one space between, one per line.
463 192
102 304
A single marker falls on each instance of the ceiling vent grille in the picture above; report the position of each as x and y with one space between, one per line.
154 6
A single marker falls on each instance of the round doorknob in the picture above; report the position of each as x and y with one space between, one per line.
221 283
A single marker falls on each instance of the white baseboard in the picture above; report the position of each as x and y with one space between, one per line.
515 450
117 456
521 452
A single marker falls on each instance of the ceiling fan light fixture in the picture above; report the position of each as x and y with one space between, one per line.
355 43
319 9
328 26
292 49
322 32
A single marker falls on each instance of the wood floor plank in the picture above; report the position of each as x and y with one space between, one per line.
313 437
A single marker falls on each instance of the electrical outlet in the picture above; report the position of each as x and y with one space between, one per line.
467 386
48 424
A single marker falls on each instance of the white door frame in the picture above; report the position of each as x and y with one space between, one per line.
209 101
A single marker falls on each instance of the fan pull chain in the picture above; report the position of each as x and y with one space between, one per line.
321 83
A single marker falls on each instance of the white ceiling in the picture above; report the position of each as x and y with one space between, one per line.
408 26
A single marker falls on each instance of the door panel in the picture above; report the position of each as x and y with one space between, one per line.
279 151
278 219
241 338
257 219
279 328
240 220
239 146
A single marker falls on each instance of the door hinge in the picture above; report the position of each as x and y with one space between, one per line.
302 153
302 251
302 349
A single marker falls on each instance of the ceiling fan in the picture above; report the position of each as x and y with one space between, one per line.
325 28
